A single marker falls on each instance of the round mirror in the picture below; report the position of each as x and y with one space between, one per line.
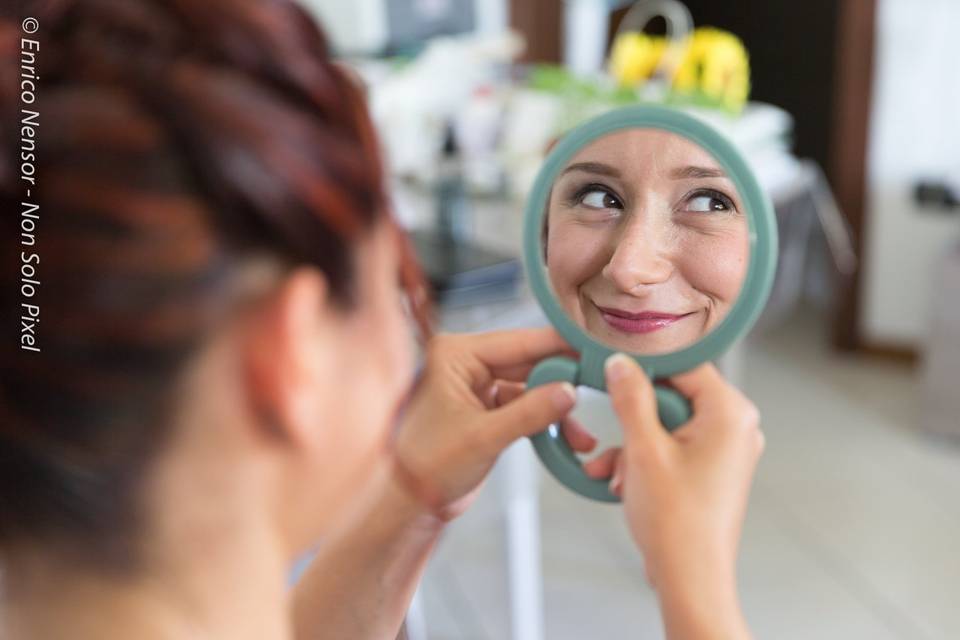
646 233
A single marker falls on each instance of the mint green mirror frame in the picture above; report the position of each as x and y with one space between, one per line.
551 447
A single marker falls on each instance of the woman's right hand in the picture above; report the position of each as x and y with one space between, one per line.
685 493
471 403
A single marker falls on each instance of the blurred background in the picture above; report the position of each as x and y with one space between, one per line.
849 113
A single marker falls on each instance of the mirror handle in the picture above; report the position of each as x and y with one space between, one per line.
555 452
552 447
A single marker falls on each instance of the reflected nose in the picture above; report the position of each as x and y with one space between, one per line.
640 258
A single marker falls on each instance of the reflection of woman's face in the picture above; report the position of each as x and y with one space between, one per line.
647 241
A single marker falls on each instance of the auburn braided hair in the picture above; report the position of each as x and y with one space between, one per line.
177 140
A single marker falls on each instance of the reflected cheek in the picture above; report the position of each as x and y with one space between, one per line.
574 256
716 267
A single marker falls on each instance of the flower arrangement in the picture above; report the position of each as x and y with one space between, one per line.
713 69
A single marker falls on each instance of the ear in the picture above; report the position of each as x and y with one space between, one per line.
284 356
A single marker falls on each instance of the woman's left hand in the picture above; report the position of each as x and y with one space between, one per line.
470 404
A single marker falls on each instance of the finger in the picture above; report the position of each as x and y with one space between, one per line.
520 372
503 351
508 391
732 415
577 435
530 413
490 394
701 384
603 465
633 399
616 480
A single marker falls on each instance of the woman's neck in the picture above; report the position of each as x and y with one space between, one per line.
213 564
214 552
234 591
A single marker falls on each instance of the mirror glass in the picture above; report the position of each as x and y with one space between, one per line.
645 241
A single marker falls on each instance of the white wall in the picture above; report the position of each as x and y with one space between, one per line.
353 26
360 26
914 133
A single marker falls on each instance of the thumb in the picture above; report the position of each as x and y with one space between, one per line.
531 412
633 398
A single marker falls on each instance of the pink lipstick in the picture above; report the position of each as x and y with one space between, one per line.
644 322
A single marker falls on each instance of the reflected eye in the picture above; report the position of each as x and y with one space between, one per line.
595 198
709 201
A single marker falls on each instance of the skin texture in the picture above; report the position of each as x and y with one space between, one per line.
644 221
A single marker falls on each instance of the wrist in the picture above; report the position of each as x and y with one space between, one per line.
390 519
408 509
698 596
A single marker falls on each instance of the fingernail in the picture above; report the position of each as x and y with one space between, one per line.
616 367
564 396
615 482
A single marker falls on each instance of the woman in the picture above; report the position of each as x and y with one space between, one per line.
647 243
224 355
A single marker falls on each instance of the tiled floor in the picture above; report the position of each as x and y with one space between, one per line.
853 530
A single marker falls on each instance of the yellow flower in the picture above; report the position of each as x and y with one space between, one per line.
713 65
634 57
716 66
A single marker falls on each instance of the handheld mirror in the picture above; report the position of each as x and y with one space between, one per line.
646 233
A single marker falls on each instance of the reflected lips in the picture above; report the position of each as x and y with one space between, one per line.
645 322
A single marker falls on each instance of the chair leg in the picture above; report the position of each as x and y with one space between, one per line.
415 624
521 499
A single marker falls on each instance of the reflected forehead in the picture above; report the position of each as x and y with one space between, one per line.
633 151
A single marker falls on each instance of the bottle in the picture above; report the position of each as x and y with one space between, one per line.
453 223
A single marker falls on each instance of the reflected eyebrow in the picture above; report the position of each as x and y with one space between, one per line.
697 172
593 167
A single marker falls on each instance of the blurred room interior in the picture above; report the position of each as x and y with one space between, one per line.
852 128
